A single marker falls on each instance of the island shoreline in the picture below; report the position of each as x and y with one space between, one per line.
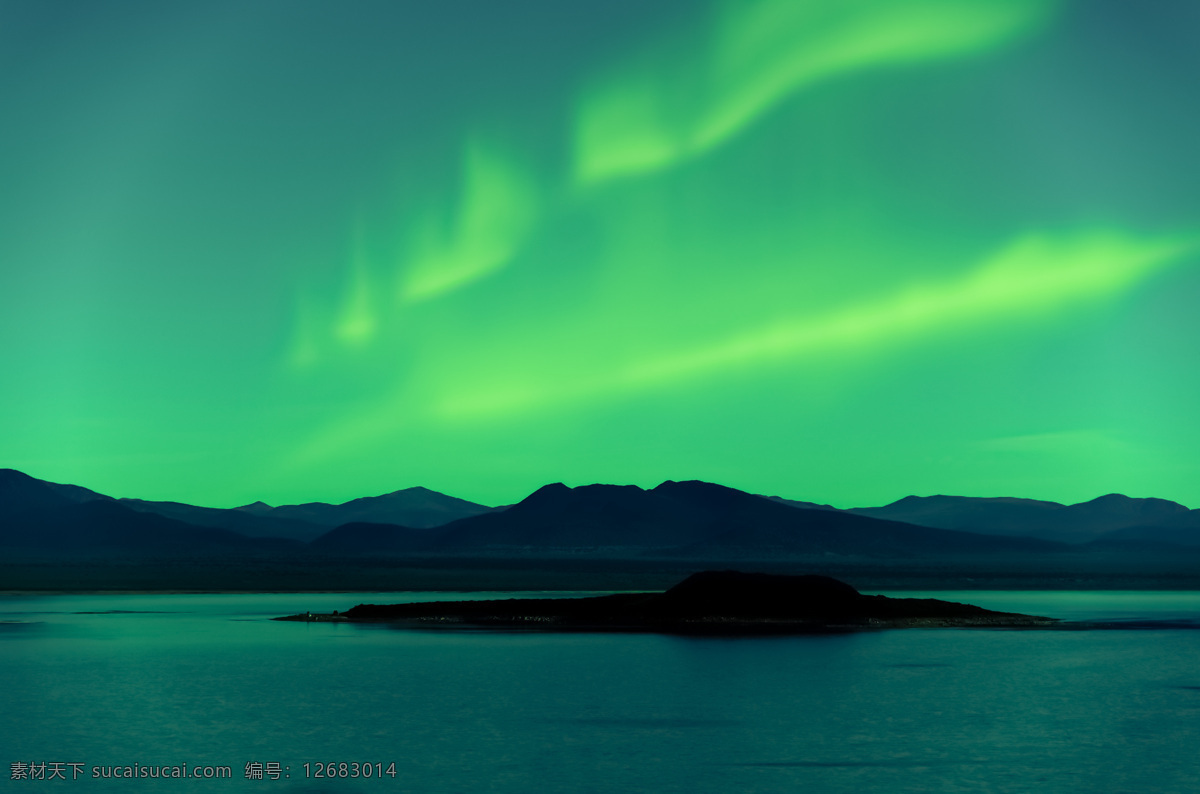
711 602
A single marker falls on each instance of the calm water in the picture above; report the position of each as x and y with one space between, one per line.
209 680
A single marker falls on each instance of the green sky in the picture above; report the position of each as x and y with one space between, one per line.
836 250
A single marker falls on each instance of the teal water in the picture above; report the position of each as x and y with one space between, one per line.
210 680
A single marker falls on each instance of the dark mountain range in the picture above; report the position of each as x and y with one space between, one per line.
698 519
675 520
40 516
74 493
1180 529
1077 523
796 503
413 507
366 538
419 508
236 520
591 516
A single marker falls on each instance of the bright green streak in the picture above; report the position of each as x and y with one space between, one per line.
357 320
496 210
440 251
1035 274
763 52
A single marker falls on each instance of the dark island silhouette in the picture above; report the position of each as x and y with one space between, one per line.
728 602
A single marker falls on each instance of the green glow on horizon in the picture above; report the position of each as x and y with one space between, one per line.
761 53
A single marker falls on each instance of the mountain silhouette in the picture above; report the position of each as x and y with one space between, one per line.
417 507
797 503
675 520
695 518
1077 523
367 538
256 525
1177 529
40 516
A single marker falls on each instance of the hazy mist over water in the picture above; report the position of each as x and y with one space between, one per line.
209 680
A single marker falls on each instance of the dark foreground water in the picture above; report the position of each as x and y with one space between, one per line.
208 680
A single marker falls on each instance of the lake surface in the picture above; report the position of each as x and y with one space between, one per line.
209 680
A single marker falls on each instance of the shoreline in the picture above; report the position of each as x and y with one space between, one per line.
713 626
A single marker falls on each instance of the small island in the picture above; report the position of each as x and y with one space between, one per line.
711 602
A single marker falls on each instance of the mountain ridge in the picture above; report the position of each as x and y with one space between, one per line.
1082 522
683 518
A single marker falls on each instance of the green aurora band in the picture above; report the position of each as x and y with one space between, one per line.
839 250
762 53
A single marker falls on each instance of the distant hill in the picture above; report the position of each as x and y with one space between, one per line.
413 507
688 520
795 503
1077 523
74 493
264 525
698 519
419 508
41 516
1179 529
367 538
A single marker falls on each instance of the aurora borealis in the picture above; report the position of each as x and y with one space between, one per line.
836 250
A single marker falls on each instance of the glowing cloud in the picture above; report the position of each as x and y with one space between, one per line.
758 54
497 209
357 321
762 52
1035 273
